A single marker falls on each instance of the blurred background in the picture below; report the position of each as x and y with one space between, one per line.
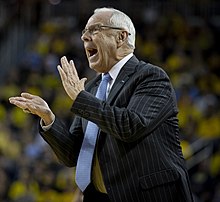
181 36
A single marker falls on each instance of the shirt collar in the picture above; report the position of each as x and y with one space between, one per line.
114 71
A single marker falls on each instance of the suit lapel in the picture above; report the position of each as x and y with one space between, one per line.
91 87
127 70
93 84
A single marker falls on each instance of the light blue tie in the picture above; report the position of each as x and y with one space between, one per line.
84 163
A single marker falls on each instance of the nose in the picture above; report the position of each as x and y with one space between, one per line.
86 37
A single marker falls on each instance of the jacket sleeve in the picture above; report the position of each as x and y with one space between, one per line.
145 101
65 143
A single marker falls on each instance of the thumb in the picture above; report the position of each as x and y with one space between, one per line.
83 80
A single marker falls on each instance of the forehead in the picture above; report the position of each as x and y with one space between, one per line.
102 17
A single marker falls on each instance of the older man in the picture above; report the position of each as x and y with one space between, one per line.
124 138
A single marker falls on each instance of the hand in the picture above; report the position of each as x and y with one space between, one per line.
70 80
35 105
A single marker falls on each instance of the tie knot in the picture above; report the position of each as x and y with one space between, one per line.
106 77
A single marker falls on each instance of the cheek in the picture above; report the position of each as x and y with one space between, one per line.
107 40
108 46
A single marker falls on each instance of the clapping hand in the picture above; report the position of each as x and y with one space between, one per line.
35 105
70 80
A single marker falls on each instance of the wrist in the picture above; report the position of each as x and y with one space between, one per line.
47 120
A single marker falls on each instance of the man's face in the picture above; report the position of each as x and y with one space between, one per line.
100 43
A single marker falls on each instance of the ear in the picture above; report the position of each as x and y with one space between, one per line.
122 38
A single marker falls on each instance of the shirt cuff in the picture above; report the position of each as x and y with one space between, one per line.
47 127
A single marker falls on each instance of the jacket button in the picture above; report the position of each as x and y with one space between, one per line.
80 111
86 114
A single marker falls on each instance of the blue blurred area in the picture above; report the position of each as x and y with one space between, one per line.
180 36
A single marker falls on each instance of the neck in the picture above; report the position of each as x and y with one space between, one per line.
122 54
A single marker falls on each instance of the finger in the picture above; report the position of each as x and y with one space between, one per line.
26 111
70 69
65 65
22 102
28 95
62 73
17 99
29 98
83 80
74 69
28 105
19 103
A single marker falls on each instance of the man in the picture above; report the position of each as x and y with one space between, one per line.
138 157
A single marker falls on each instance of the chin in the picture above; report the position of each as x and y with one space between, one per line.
93 67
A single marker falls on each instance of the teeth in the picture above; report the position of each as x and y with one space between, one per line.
91 51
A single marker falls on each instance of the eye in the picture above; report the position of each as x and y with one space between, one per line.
95 29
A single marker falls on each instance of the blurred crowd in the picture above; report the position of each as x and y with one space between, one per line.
185 47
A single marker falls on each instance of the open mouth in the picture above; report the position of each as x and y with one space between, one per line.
92 52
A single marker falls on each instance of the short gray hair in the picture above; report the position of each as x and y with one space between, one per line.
120 19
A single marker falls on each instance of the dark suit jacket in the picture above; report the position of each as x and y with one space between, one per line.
138 148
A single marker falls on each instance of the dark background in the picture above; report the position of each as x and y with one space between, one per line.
180 36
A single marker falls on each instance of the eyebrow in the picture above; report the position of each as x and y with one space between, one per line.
93 25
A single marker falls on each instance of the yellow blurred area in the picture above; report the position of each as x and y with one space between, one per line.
186 148
8 146
19 118
3 112
209 127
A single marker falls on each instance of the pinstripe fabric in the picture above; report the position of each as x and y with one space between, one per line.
139 150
